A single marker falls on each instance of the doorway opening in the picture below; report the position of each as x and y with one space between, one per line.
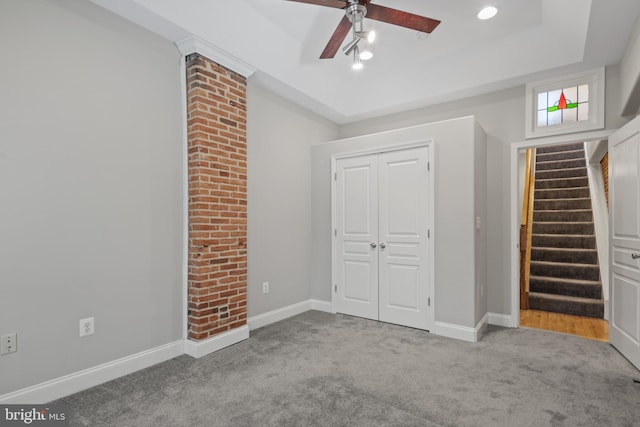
550 309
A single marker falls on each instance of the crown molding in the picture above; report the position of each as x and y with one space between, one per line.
193 44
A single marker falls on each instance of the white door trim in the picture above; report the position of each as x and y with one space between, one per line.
430 143
515 211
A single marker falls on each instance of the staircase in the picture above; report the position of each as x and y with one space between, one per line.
564 273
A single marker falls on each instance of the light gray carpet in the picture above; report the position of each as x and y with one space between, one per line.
319 369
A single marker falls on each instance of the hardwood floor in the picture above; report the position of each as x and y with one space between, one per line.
586 327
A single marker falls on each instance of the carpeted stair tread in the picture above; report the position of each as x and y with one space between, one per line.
564 286
560 155
561 204
564 215
573 182
561 164
560 148
563 240
562 193
566 304
571 255
561 173
563 227
565 270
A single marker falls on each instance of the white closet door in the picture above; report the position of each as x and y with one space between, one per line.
357 236
403 249
624 192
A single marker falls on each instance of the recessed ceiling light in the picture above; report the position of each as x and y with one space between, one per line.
487 13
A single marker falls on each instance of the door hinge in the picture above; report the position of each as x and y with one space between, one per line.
429 302
335 232
429 166
335 288
429 234
335 176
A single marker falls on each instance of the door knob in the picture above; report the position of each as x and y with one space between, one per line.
373 245
634 255
382 245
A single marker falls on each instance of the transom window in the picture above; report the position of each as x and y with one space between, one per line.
570 104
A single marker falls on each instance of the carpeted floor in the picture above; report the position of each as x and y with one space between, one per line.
319 369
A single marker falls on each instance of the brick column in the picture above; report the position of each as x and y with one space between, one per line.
217 145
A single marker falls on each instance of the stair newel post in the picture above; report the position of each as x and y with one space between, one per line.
526 228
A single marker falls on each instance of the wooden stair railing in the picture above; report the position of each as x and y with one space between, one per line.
526 228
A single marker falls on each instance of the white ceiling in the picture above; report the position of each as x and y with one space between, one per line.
528 40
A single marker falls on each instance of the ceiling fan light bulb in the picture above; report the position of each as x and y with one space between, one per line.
366 55
371 37
357 65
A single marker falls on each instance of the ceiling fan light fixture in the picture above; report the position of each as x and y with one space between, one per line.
369 36
487 13
348 48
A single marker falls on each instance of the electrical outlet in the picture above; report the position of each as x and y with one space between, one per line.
265 287
481 290
87 326
9 343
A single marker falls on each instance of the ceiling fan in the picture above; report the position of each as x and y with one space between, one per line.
356 10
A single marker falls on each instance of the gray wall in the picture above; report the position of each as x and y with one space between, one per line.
454 217
90 188
280 135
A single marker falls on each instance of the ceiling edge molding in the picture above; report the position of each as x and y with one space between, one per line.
193 44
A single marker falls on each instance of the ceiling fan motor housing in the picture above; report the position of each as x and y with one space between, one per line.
356 12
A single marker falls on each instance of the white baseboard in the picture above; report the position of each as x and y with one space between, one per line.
274 316
481 327
458 332
498 319
319 305
198 349
73 383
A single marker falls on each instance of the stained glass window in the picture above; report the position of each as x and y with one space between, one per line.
567 104
570 104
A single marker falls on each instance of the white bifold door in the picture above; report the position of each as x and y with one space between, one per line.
382 254
624 217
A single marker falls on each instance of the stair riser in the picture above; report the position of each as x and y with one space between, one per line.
562 216
566 255
561 174
578 309
558 148
560 155
570 289
570 204
543 184
562 164
586 272
562 193
562 228
551 241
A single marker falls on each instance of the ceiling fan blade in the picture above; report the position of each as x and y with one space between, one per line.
403 19
336 39
338 4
